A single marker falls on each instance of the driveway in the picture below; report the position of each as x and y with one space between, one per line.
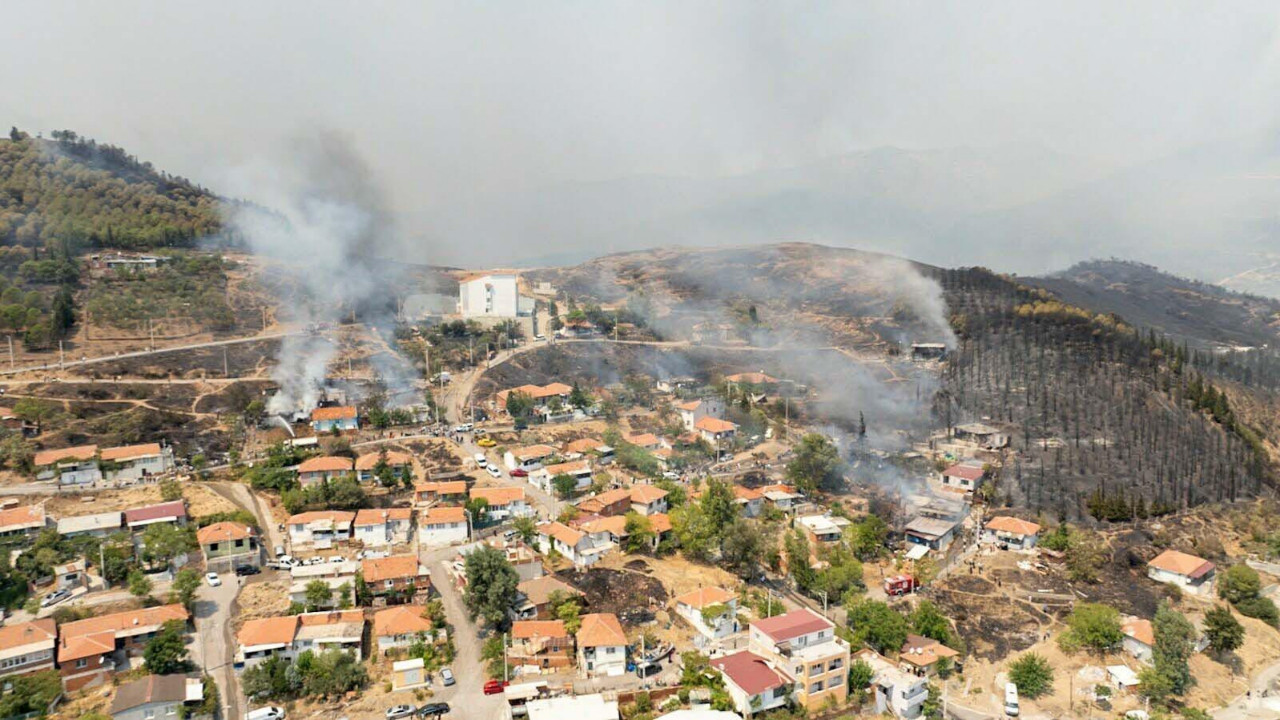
466 698
214 647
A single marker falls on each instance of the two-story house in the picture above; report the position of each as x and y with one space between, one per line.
228 545
691 411
754 685
28 647
88 650
895 691
602 645
541 645
335 419
804 645
400 576
581 548
715 430
648 499
322 469
399 463
579 470
132 463
381 527
157 696
504 502
712 611
607 503
319 529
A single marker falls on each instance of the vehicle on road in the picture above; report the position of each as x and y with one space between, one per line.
243 570
55 597
481 460
213 579
671 475
433 709
519 472
486 442
279 551
899 585
337 559
464 427
265 713
648 669
399 711
1011 699
493 687
447 675
287 561
493 471
539 338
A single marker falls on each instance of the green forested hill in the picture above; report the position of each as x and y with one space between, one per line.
71 193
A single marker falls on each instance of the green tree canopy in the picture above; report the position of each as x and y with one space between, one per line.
491 585
1032 674
816 464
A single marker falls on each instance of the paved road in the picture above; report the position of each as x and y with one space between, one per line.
244 497
145 353
466 698
214 647
1255 704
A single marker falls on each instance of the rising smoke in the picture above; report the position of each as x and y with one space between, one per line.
321 219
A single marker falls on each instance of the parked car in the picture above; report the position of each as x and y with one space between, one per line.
486 442
447 675
213 579
279 551
433 709
671 475
337 559
1011 699
265 713
493 470
55 597
519 472
480 459
287 560
493 687
399 711
243 570
648 669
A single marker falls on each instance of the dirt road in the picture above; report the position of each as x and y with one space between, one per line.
144 353
214 646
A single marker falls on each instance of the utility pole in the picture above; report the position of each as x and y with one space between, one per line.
505 675
10 352
62 356
824 603
226 371
471 346
264 317
102 568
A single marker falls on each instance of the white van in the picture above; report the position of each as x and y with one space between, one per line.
481 460
265 713
1011 699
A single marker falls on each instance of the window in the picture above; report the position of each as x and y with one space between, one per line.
815 688
149 713
815 669
82 663
822 634
239 543
213 547
835 682
835 665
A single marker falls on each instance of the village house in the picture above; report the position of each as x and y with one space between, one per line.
895 691
492 295
601 453
712 611
341 591
540 644
292 635
753 684
1010 532
805 645
822 529
504 502
602 646
579 470
10 420
172 513
335 419
132 463
319 529
326 468
27 647
440 526
580 548
691 411
782 497
26 520
1190 573
71 466
962 477
381 527
648 499
715 430
534 599
1139 638
541 395
528 458
404 625
400 464
396 575
982 435
70 575
920 656
88 649
228 545
451 492
99 525
932 533
607 503
156 696
750 501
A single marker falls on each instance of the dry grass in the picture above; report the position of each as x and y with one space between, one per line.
200 501
261 600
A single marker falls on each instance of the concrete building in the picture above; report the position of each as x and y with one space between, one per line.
326 468
441 526
451 492
580 548
382 527
400 464
962 477
70 466
1139 638
493 295
228 545
805 646
156 696
602 645
540 645
319 529
330 419
89 650
132 463
1190 573
715 430
579 470
712 611
100 525
753 683
577 707
26 520
691 411
933 533
290 635
398 576
172 513
504 502
1010 532
404 625
528 458
648 499
28 647
534 599
895 691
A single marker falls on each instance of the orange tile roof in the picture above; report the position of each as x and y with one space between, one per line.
643 439
599 630
615 525
1140 629
333 617
395 567
268 631
85 646
326 463
28 633
80 452
111 625
130 452
660 523
714 425
604 499
1181 563
690 405
705 597
645 494
401 620
1012 525
568 468
442 515
561 532
22 516
923 652
745 493
447 487
533 452
525 629
333 413
753 378
498 496
583 445
223 532
338 517
380 516
538 590
369 461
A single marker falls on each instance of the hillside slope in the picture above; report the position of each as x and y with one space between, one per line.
70 189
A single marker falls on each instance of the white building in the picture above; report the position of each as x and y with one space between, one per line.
582 549
694 410
383 527
1010 532
578 707
504 502
1193 574
135 462
320 528
441 526
491 295
579 470
896 691
290 635
712 611
752 682
602 645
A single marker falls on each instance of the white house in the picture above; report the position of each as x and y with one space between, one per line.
527 458
579 470
1193 574
712 611
962 477
648 499
805 644
692 411
896 691
441 526
1010 532
383 526
320 528
752 682
135 462
494 294
715 430
290 635
1139 638
98 525
71 466
403 625
582 549
602 645
504 502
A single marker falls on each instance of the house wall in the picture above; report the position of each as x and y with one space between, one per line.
1204 587
81 474
442 534
339 424
133 470
489 296
150 711
28 662
95 671
727 626
610 660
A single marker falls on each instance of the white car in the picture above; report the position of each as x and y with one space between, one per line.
213 579
337 559
400 711
265 713
494 471
481 460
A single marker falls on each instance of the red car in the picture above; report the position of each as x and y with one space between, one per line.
519 473
493 687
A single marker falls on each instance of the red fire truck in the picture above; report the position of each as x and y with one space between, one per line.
899 585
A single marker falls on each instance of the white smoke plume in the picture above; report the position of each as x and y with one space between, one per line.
326 227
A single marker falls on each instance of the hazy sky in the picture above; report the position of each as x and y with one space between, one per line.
458 105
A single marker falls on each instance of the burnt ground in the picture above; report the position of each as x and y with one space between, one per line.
992 624
632 596
248 358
